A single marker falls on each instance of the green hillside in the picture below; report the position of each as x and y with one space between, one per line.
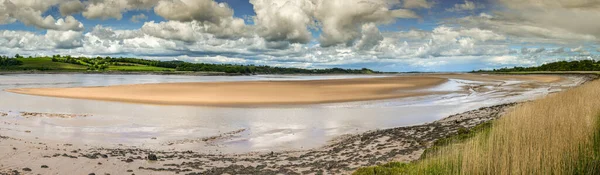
55 64
103 64
44 63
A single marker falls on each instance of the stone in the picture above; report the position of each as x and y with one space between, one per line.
152 157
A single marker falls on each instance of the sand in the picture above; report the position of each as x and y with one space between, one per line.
341 156
249 92
498 77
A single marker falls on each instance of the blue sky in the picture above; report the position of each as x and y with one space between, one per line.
386 35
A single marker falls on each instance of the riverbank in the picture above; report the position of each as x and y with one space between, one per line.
558 134
343 155
188 73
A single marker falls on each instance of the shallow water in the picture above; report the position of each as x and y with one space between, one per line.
264 128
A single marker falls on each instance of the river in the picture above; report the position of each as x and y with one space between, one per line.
233 129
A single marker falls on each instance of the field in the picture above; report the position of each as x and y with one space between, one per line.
559 134
46 64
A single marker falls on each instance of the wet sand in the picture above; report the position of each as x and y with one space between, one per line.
341 156
269 92
249 92
502 77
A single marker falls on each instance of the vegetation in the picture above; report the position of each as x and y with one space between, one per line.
582 65
43 64
6 62
559 134
69 63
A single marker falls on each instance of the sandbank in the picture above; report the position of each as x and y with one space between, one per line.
249 92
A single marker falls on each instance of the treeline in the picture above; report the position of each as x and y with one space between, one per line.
102 63
97 63
581 65
6 61
155 63
252 69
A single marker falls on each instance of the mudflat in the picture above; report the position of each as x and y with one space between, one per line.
503 77
249 92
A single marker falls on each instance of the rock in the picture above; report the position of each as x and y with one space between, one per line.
92 174
26 169
130 171
152 157
44 166
129 160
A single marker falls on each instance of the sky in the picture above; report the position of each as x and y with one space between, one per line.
384 35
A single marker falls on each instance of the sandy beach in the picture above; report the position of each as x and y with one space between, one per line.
26 150
269 92
249 92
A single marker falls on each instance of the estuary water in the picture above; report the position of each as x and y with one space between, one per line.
233 129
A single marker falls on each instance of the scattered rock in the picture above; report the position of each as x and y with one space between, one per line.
342 156
37 114
152 157
44 166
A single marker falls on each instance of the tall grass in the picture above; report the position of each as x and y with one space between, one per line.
559 134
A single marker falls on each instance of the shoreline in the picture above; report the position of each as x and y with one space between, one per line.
341 155
182 73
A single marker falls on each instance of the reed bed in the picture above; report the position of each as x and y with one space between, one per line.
558 134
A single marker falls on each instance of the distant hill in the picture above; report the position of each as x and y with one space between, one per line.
101 64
